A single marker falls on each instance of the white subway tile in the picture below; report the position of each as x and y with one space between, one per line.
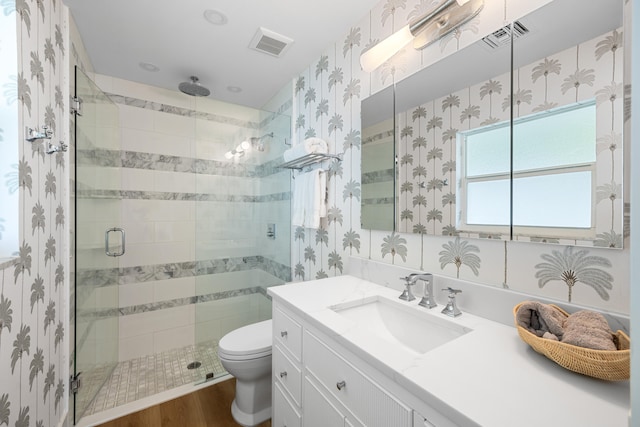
165 290
173 338
134 347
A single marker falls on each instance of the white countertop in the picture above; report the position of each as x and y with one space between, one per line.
487 376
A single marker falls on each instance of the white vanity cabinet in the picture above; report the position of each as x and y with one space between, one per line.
330 370
286 370
315 386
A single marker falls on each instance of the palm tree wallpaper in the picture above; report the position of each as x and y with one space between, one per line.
34 356
427 237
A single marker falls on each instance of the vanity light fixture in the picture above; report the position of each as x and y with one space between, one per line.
423 30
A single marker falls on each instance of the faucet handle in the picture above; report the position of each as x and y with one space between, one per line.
451 309
407 295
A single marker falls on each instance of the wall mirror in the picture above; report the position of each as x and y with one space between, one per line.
456 134
378 161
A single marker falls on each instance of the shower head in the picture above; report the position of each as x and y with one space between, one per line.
193 88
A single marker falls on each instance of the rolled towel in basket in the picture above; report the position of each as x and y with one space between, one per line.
540 319
308 146
588 329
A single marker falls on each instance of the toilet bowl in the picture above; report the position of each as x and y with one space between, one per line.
246 354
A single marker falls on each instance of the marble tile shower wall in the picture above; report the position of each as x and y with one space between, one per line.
33 292
190 217
326 104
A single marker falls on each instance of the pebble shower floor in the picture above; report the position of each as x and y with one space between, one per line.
145 376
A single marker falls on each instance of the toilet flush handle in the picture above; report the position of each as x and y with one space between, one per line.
283 374
283 334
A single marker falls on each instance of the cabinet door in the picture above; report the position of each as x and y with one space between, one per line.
433 419
285 413
355 391
318 411
287 374
288 333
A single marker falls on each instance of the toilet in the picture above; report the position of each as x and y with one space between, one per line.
246 354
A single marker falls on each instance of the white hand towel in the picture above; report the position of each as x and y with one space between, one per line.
308 146
315 198
309 199
298 202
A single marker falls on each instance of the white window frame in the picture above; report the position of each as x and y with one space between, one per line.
519 230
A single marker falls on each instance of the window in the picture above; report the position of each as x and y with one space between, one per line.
554 156
9 202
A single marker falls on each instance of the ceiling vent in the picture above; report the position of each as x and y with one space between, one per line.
502 36
269 42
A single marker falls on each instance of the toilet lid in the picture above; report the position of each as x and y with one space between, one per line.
251 341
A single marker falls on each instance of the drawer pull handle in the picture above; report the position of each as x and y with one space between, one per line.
341 385
283 334
283 374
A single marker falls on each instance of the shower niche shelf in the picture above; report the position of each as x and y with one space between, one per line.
309 160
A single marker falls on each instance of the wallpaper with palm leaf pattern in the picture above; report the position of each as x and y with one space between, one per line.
33 307
327 98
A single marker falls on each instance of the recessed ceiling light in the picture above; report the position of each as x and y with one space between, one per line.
234 89
148 66
215 17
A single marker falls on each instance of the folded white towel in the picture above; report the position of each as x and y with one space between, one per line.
308 146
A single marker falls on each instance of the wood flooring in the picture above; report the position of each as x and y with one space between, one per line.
209 406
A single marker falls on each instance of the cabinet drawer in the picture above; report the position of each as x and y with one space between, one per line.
284 414
318 410
288 333
365 399
287 374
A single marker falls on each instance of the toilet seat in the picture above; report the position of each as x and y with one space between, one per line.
249 342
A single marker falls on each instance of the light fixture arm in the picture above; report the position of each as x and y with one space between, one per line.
418 23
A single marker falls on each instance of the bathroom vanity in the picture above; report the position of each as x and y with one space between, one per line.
347 352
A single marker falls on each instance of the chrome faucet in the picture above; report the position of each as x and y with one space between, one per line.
407 295
452 309
427 300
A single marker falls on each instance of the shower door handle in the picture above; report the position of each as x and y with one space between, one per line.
106 242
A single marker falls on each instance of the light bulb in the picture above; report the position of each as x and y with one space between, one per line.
228 155
245 145
381 52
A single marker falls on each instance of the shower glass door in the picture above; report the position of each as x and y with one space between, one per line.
242 230
99 240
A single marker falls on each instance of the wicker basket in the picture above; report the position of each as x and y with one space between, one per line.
603 364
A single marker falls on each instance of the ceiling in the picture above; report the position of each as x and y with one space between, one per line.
174 36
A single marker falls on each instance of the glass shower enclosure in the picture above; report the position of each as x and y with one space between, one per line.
99 240
217 236
242 224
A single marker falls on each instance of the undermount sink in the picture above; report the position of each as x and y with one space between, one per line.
398 323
